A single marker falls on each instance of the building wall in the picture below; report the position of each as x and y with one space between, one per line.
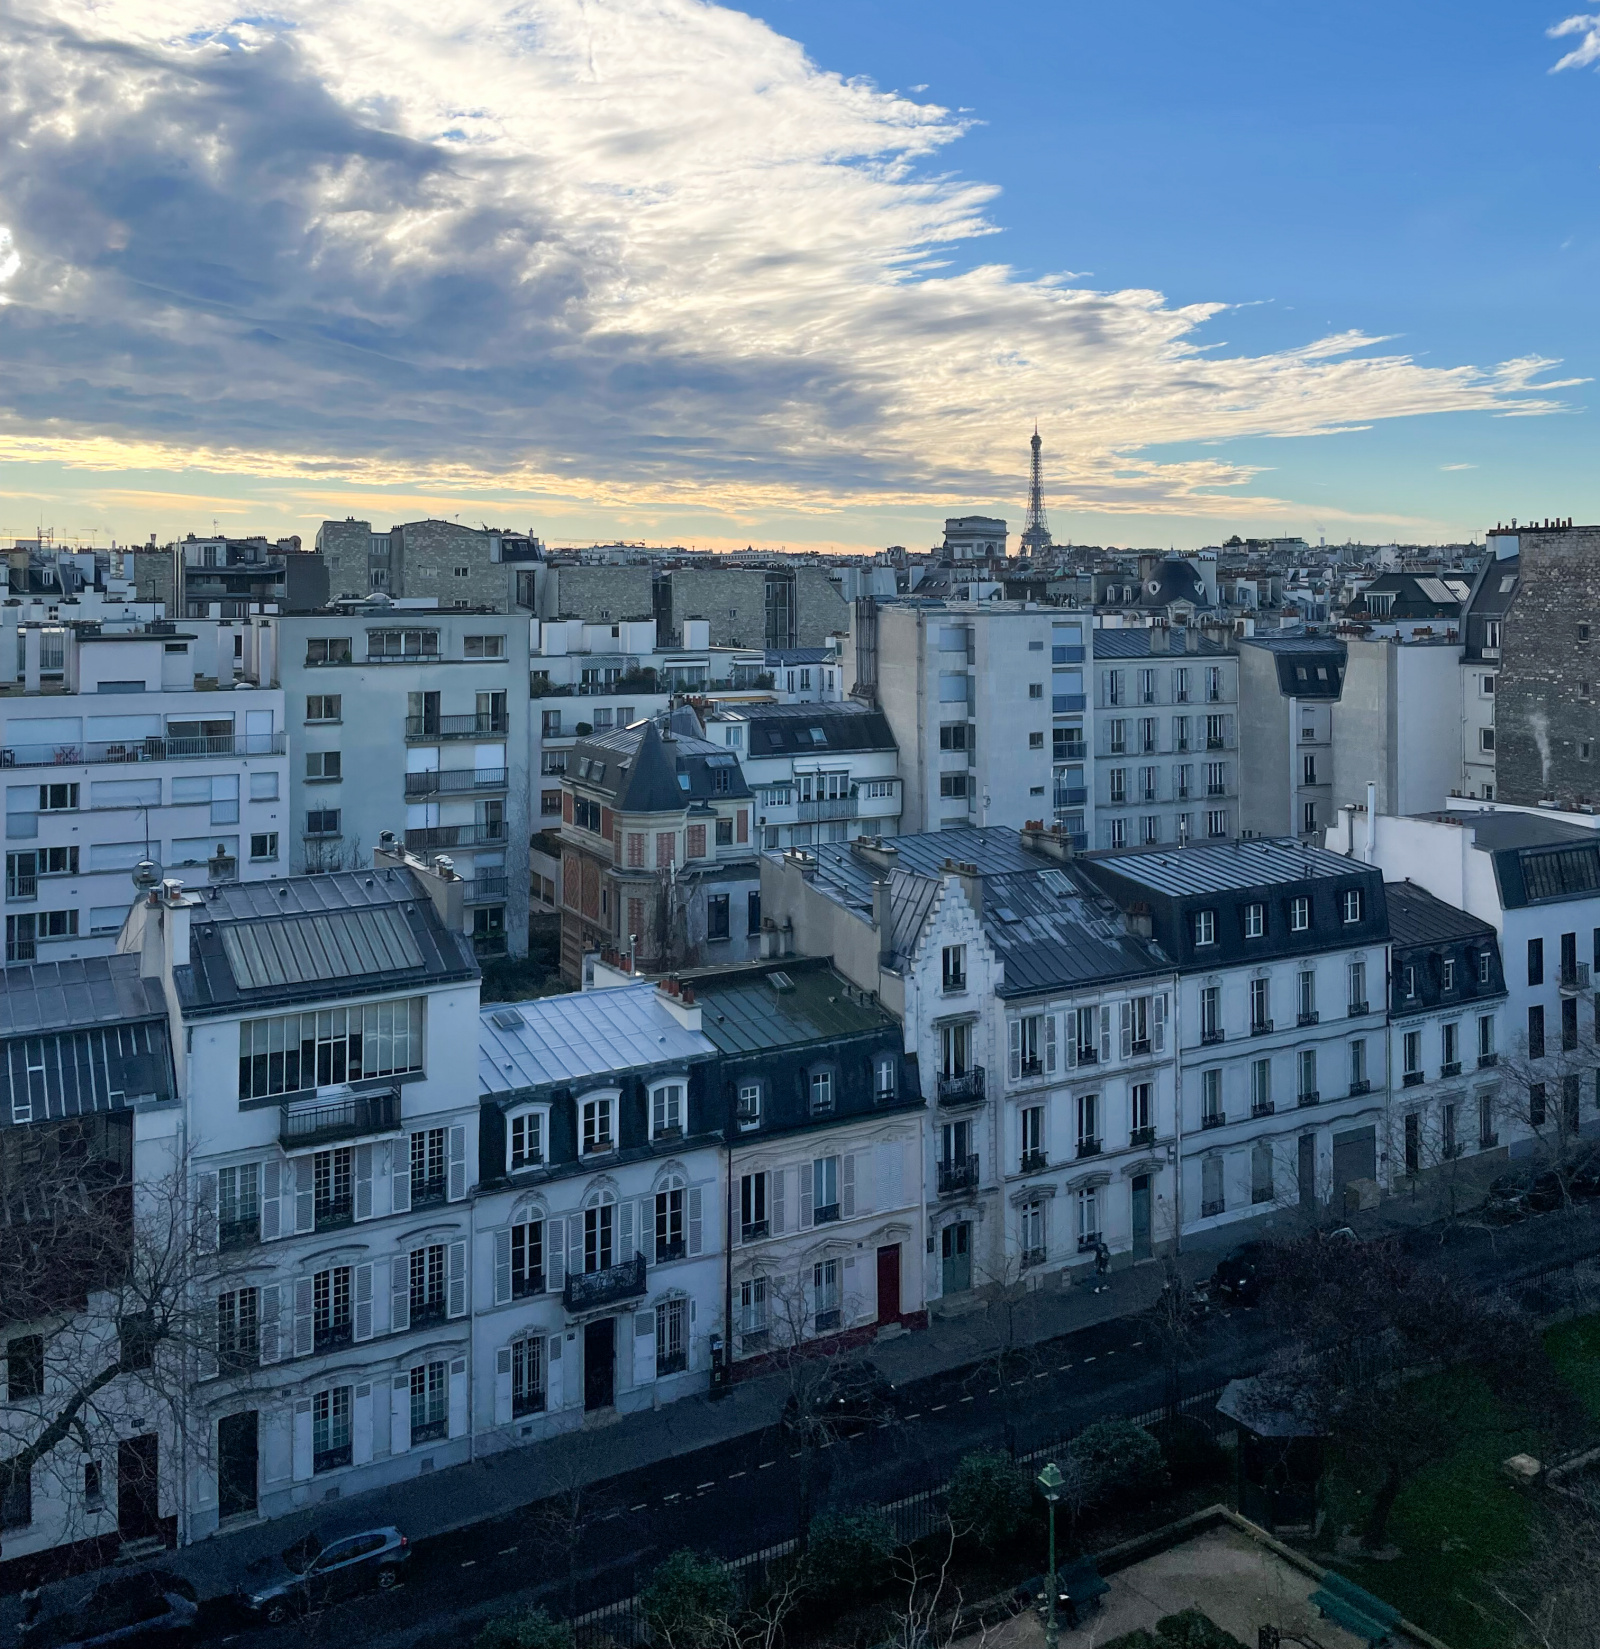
1546 725
1397 724
1265 794
346 548
450 563
1479 679
598 594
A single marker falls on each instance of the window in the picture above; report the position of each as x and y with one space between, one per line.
1447 974
754 1221
58 798
885 1083
1308 817
670 1243
328 650
1308 996
822 1093
23 870
753 1309
1450 1048
430 1392
238 1204
1180 733
1147 687
527 1259
586 813
1088 1117
1356 981
1211 1112
1214 686
1486 740
1536 1105
1358 1065
24 1367
1118 833
1411 1053
748 1113
1205 927
955 968
322 821
483 646
825 1296
324 707
724 827
1031 1232
1261 1087
1139 1111
953 735
1352 904
264 846
1536 961
1299 914
430 1165
955 1049
402 644
330 1307
599 1232
1308 1076
666 848
596 1115
1216 825
1485 967
314 1050
427 1270
666 1109
330 1428
527 1376
824 1190
16 1496
1117 737
952 784
716 916
322 764
1255 921
1210 1013
1035 689
524 1139
1031 1121
1113 680
672 1344
1486 1039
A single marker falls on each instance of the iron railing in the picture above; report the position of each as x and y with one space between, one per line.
426 727
347 1118
962 1087
155 748
451 781
588 1290
430 837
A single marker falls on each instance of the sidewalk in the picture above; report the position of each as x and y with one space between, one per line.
443 1502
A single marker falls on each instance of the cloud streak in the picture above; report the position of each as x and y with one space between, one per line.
642 253
1587 50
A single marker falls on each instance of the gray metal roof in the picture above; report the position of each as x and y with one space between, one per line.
1136 644
779 1007
332 946
566 1039
97 990
75 1073
1205 868
1416 917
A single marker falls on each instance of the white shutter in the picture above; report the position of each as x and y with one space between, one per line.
382 1274
399 1293
206 1356
1014 1037
575 1243
502 1267
625 1245
1158 1022
361 1426
696 1220
400 1414
363 1303
502 1386
305 1193
400 1175
890 1156
644 1346
363 1182
456 1300
271 1181
302 1440
647 1230
779 1177
458 1397
847 1186
277 1445
303 1302
555 1254
1105 1035
271 1344
1072 1039
1125 1036
458 1163
206 1213
555 1386
1050 1044
807 1186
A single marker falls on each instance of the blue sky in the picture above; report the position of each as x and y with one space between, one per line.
803 275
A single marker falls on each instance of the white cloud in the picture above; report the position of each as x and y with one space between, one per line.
642 252
1588 48
1447 468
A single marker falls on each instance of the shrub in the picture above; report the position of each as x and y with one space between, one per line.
991 1496
1192 1454
524 1629
1125 1459
847 1553
689 1599
1188 1630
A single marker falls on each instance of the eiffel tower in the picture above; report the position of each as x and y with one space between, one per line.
1036 534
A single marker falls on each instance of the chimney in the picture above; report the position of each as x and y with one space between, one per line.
1372 822
1053 843
878 853
1159 638
1140 924
678 1000
883 921
971 884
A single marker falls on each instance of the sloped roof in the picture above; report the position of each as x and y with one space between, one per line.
1136 644
639 770
1416 917
784 1006
96 990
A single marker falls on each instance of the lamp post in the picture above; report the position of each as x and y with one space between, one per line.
1050 1481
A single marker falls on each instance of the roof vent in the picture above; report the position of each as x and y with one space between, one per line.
780 982
507 1019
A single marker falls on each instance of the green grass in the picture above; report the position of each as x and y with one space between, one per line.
1574 1348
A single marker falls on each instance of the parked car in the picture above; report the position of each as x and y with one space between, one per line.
140 1611
1238 1276
855 1393
315 1572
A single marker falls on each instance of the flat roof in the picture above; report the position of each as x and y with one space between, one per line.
1226 866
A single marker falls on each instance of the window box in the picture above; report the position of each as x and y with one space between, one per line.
1364 1086
1215 1120
1141 1045
754 1231
1486 1060
1263 1107
1309 1098
1033 1067
1357 1009
1210 1038
827 1214
1453 1068
1088 1147
1033 1162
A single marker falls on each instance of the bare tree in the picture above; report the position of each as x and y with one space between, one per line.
1541 1091
1012 1359
1554 1592
578 1500
1172 1321
928 1612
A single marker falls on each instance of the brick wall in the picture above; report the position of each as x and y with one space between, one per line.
346 547
596 594
427 557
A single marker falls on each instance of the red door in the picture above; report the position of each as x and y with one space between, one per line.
889 1284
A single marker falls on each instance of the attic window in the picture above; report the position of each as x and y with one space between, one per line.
780 982
818 736
507 1019
1300 673
683 781
1508 584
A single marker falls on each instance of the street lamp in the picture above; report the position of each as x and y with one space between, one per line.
1050 1481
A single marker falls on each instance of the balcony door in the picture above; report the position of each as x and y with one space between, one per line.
237 1447
600 1364
1141 1216
889 1283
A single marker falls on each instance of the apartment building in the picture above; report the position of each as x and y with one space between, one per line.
439 561
225 578
820 772
987 705
116 754
1483 615
1288 687
1279 1020
1165 737
599 1221
411 718
657 858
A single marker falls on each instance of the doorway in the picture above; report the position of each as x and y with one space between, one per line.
1307 1171
889 1283
600 1363
956 1241
139 1487
237 1443
1141 1217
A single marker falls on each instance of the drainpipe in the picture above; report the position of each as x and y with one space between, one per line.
1177 1089
1294 749
1372 822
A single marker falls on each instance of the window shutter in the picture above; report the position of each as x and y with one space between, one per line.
779 1179
625 1244
1158 1018
644 1346
554 1393
302 1316
305 1193
457 1297
808 1179
302 1440
847 1186
502 1384
1014 1033
271 1343
696 1220
647 1230
502 1268
400 1174
1072 1039
575 1243
363 1302
458 1397
361 1427
1105 1035
206 1357
271 1179
399 1293
555 1257
458 1163
206 1213
1050 1044
363 1182
400 1413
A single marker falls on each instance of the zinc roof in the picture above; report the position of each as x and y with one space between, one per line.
1228 865
96 990
780 1007
332 946
1416 917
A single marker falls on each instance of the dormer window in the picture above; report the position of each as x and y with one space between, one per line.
1352 904
748 1112
1255 921
524 1139
598 1131
822 1093
1447 974
1299 914
1205 927
666 1110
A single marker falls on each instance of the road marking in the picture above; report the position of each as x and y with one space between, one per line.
471 1563
732 1475
764 1464
668 1499
1044 1376
937 1406
1136 1344
966 1399
609 1515
506 1551
1088 1359
711 1485
993 1390
1112 1352
916 1416
639 1508
1062 1368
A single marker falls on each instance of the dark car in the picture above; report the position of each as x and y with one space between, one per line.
150 1608
314 1572
1239 1275
850 1394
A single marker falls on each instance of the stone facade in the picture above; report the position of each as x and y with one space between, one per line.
1546 722
596 594
806 607
346 548
450 562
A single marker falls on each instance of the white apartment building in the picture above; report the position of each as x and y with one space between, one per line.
120 746
823 772
1165 738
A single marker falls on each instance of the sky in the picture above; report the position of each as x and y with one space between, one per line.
673 272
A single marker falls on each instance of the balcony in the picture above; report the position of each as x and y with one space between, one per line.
961 1087
1412 1079
1088 1056
1574 978
489 944
354 1117
1486 1060
1088 1148
431 729
155 748
1071 795
487 887
1216 1119
453 781
1262 1107
958 1174
1033 1162
1310 1017
1362 1085
826 1213
1066 704
589 1290
1450 1068
754 1230
22 887
1074 752
1357 1009
1310 1097
432 838
1212 1037
1209 1209
1066 655
1261 1027
1215 744
829 807
1142 1136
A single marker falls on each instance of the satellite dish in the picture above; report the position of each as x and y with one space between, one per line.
146 875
